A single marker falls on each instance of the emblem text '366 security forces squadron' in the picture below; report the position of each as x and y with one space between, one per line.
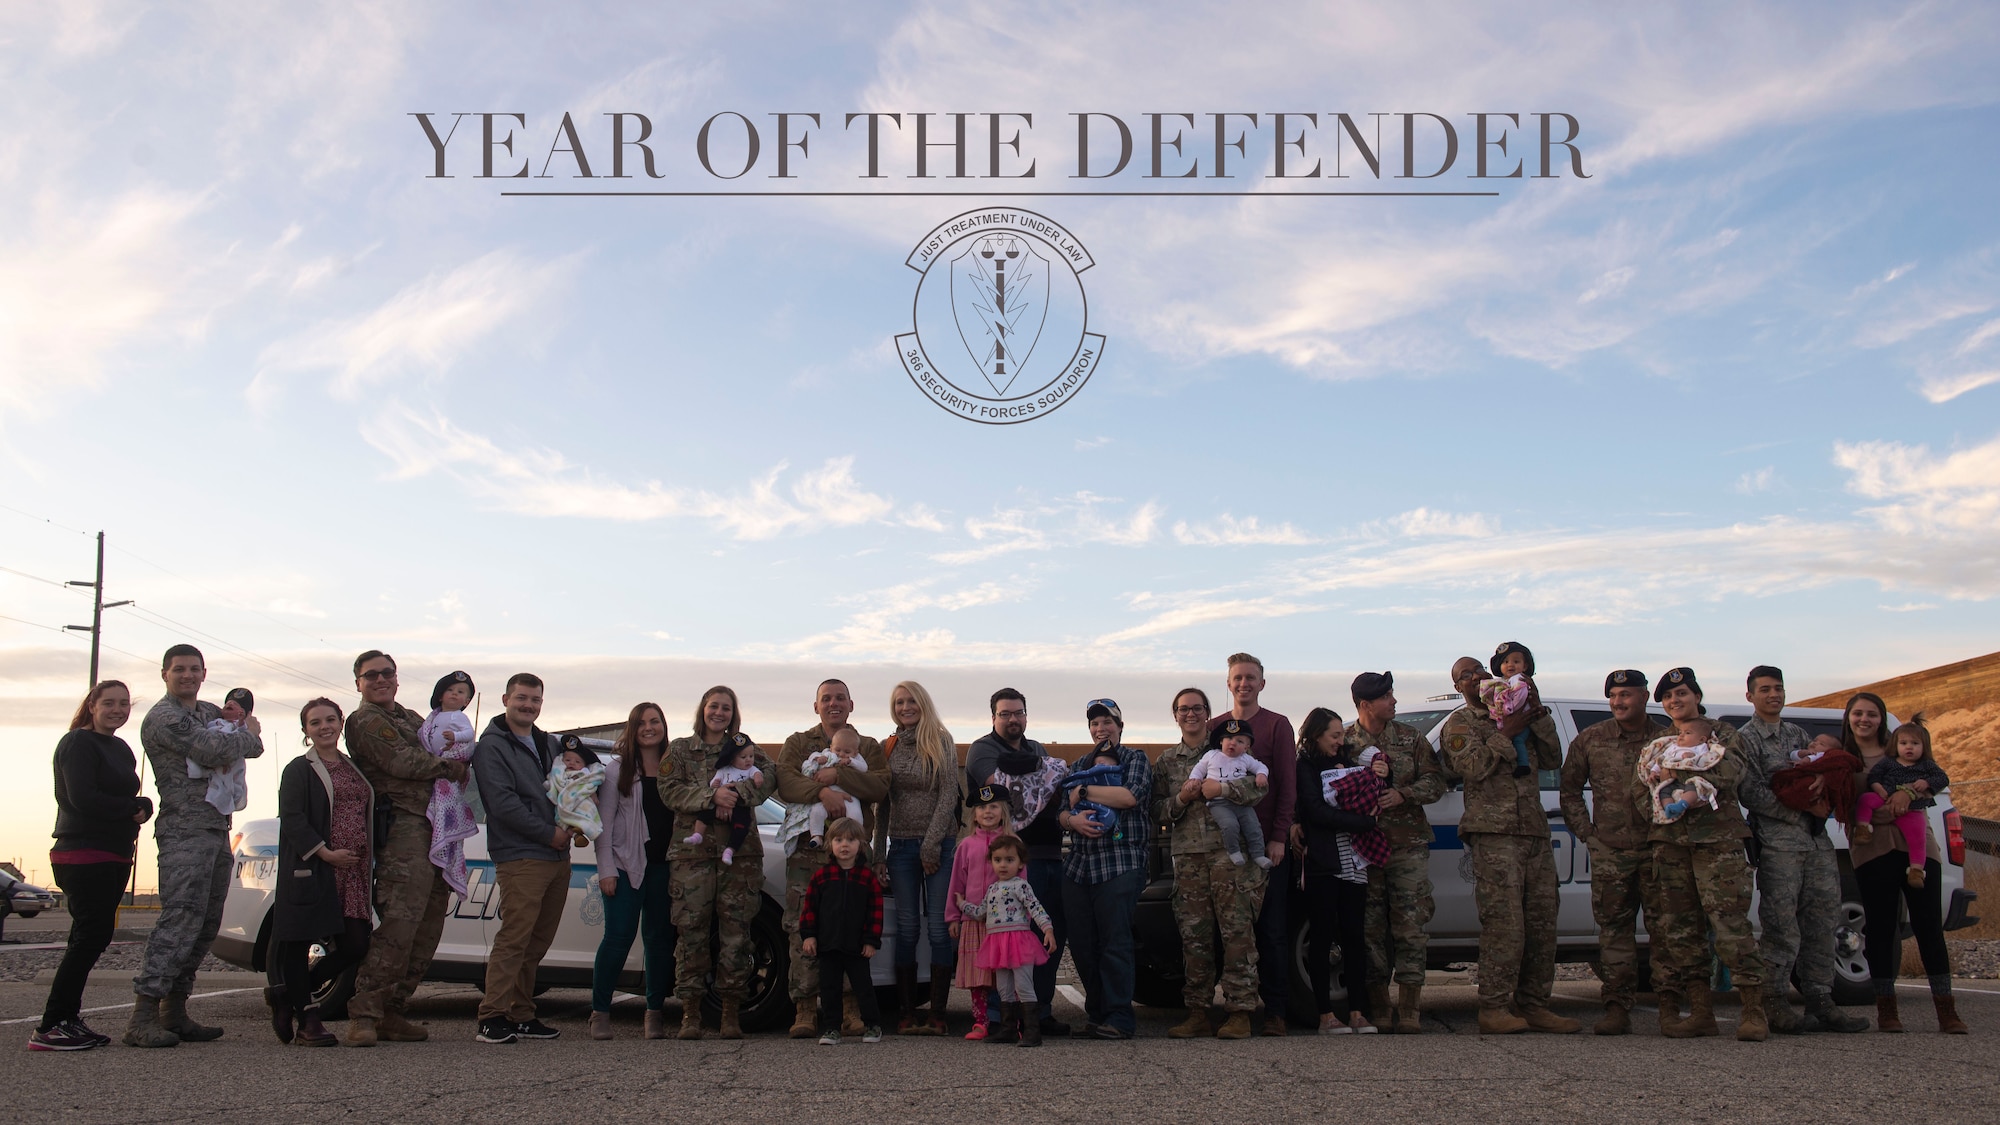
999 332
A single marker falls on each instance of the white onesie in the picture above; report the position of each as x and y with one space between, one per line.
1218 766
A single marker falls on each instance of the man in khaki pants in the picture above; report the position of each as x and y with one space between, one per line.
530 860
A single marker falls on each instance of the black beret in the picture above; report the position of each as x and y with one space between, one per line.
1624 677
242 698
1373 685
1674 679
446 684
988 795
1500 654
1230 728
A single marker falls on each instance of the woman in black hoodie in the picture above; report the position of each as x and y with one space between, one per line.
1336 882
98 814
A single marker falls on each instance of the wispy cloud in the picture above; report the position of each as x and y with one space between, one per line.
1944 388
1762 480
1228 531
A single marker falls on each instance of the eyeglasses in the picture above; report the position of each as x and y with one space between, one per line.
1010 714
375 674
1196 709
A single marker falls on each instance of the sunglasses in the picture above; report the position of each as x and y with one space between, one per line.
375 674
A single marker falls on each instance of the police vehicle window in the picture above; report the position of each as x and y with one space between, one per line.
1816 727
771 812
1423 721
1587 718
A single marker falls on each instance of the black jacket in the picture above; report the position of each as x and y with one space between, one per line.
1322 821
512 776
97 793
306 905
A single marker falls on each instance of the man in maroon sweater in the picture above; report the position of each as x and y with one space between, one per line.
1277 746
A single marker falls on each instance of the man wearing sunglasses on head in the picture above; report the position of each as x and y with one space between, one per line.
410 892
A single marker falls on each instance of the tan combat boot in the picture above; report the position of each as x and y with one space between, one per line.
1670 1012
731 1024
174 1017
1541 1019
1701 1014
1615 1021
1378 1002
1409 1017
360 1032
145 1029
805 1022
1754 1026
850 1015
1195 1026
1500 1021
691 1020
394 1027
1237 1026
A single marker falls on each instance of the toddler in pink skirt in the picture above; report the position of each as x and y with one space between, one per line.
1010 949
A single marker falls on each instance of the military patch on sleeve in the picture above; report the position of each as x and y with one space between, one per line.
1455 742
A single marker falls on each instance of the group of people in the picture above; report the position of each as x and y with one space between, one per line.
1006 861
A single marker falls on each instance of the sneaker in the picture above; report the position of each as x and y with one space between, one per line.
102 1039
62 1037
830 1037
497 1030
871 1034
535 1029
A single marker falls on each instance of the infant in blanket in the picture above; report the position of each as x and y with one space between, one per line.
574 780
228 789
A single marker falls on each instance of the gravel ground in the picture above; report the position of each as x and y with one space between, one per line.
23 964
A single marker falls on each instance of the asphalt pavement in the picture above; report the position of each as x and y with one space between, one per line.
1450 1074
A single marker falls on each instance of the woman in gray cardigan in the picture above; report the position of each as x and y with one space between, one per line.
632 872
920 823
325 854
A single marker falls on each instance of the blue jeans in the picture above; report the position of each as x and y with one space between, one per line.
1100 926
1045 878
633 911
921 896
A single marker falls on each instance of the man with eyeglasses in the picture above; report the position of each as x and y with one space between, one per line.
1103 874
1007 757
410 892
1212 895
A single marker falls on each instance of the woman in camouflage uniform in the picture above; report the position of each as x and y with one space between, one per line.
1703 878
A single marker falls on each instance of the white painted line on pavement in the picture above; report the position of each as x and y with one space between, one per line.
117 1007
1954 988
1071 993
12 948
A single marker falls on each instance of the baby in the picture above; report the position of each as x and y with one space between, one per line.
574 780
1514 666
228 789
1228 759
1814 750
739 768
1102 769
809 819
447 734
1690 749
1913 769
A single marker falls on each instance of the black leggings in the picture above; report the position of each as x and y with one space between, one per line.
1339 908
836 969
91 892
299 983
1882 881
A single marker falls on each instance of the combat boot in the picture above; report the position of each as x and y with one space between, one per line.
1499 1021
691 1020
731 1025
1378 1002
1754 1026
1784 1019
360 1032
1541 1019
805 1022
1701 1014
1830 1016
1237 1026
1195 1026
1670 1011
174 1017
145 1029
1615 1021
850 1016
1008 1030
1409 1017
394 1027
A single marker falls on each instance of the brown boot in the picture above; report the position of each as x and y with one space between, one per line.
1886 1018
1378 1003
1500 1021
1947 1013
1274 1024
907 1020
1615 1021
1409 1017
941 1003
850 1015
1541 1019
1237 1026
394 1027
600 1025
361 1032
730 1026
1670 1012
1701 1014
656 1023
1195 1026
1754 1026
311 1032
1031 1028
805 1022
691 1020
1008 1030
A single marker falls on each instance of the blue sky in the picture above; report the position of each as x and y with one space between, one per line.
1733 399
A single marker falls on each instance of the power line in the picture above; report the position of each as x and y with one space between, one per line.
43 519
225 599
161 620
35 577
36 624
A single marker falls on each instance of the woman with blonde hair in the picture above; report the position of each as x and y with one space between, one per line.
920 823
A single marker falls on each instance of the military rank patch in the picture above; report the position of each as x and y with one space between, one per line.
1455 742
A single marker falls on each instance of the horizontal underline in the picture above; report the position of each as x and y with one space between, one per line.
995 194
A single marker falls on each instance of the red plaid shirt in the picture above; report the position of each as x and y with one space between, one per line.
842 909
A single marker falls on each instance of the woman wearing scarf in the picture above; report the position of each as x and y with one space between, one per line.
1698 860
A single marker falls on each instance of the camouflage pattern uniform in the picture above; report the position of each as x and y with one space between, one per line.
1399 895
410 892
703 889
1615 825
1704 879
795 788
1798 875
193 839
1507 832
1211 894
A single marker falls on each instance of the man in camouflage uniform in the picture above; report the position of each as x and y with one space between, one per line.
1704 880
706 891
1212 896
1798 877
1399 895
1605 757
1507 834
193 840
410 892
831 787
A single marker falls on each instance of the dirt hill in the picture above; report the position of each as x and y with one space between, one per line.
1961 705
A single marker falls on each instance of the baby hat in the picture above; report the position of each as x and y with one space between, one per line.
988 795
242 698
1229 728
1507 647
445 684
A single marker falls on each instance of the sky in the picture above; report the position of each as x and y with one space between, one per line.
1733 398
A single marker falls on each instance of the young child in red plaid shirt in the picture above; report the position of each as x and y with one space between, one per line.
840 923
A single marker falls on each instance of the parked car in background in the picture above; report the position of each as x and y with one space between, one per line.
21 898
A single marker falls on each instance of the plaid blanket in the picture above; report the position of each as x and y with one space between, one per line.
1359 790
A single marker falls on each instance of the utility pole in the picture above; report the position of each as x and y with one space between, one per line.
97 608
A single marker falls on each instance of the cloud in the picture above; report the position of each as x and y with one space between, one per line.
1186 612
1944 388
1421 522
1763 480
1067 521
1228 531
1935 497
